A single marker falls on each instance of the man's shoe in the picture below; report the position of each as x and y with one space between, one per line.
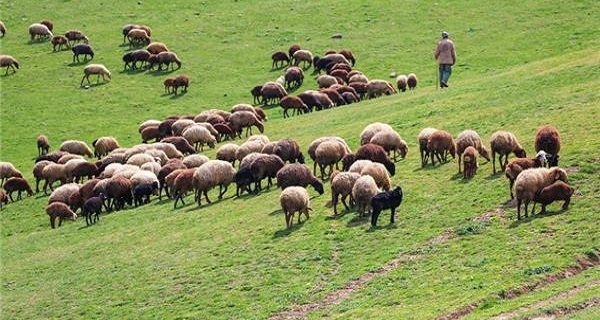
443 85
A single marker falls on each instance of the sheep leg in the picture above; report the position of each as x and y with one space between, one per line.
526 207
60 220
494 161
52 221
459 159
393 214
206 196
518 209
344 202
510 188
10 197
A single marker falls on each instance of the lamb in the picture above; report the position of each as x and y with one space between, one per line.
256 93
402 82
181 80
348 55
411 81
60 211
245 119
386 200
292 200
133 57
294 103
334 96
84 169
157 47
118 189
554 192
76 36
227 152
138 37
148 123
315 143
40 31
470 138
63 193
167 58
17 184
53 172
325 81
67 157
328 153
377 88
295 174
195 160
265 167
470 162
8 170
440 144
142 193
349 98
9 62
37 173
82 49
97 69
391 141
92 208
547 138
211 174
3 196
59 41
423 138
293 76
341 185
279 57
363 191
370 130
359 88
304 56
379 173
164 172
532 181
288 150
272 91
199 136
104 145
371 152
503 143
516 166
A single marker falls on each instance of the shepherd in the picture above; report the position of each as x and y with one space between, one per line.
446 57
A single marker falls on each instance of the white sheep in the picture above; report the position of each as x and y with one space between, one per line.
198 135
211 174
178 126
361 78
358 165
364 189
8 170
110 170
76 147
70 166
370 130
63 193
104 145
326 81
341 185
423 137
39 30
97 69
379 174
294 199
139 159
391 141
153 167
248 147
52 173
227 152
470 138
248 159
329 153
158 155
195 160
143 177
168 149
377 88
503 143
64 159
531 181
304 56
148 123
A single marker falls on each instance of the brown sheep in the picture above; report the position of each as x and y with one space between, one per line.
503 143
440 144
334 96
348 55
118 190
157 47
149 133
349 98
360 88
61 211
278 58
288 150
470 138
180 144
182 185
7 62
293 76
84 169
48 23
17 184
371 152
470 162
225 131
181 80
272 92
516 166
169 84
256 93
59 41
43 145
164 172
293 48
245 119
341 74
411 81
75 36
3 196
554 192
167 58
547 138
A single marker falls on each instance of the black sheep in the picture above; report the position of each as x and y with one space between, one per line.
385 200
84 49
243 180
92 208
142 192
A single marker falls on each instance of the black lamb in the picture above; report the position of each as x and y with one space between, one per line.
142 192
385 200
92 208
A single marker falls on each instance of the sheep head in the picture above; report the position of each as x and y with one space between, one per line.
559 174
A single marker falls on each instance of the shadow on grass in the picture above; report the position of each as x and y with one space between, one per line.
8 74
495 176
359 220
38 41
532 217
94 84
276 212
79 63
178 95
287 231
133 71
162 72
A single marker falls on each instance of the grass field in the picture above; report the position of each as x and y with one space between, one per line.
521 64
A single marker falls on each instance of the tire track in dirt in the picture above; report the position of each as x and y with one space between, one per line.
568 310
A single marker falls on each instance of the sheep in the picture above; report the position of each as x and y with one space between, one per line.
48 23
359 165
516 166
349 98
180 125
265 167
149 133
67 157
370 130
2 29
341 185
272 92
153 167
169 181
76 36
127 28
470 162
37 173
138 37
256 93
8 170
142 192
312 147
245 119
289 151
70 167
86 190
358 78
363 191
328 61
259 112
76 201
386 200
100 187
40 31
111 158
269 147
324 101
531 181
92 208
470 138
243 179
325 81
292 200
168 149
53 172
293 76
293 48
296 174
371 152
165 127
126 171
247 160
377 88
17 184
339 73
183 182
164 172
84 169
82 49
59 41
227 152
133 57
211 174
423 138
391 141
379 173
554 192
143 177
181 80
279 57
359 88
328 153
118 189
411 81
348 55
60 211
294 103
547 138
352 73
402 82
167 58
503 143
199 136
97 69
157 47
195 160
104 145
334 96
139 159
3 196
63 193
304 56
205 115
440 144
110 170
9 62
148 123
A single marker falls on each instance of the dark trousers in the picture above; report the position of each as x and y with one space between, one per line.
445 72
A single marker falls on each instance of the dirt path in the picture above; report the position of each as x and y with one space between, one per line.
568 310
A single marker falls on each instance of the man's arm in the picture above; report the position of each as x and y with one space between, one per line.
437 51
453 55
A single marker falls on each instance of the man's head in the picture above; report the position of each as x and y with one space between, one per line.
445 35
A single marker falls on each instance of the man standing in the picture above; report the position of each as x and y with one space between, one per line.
446 57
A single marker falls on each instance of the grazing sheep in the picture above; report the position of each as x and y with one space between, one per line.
111 158
379 173
265 167
324 101
195 160
142 192
341 185
138 37
8 170
411 81
547 138
168 149
9 62
245 119
75 36
293 48
386 200
37 173
139 159
243 179
70 167
294 103
84 169
377 88
76 201
371 152
143 177
312 147
288 150
340 74
205 115
555 192
149 133
92 208
181 81
304 56
60 211
100 188
359 165
43 145
59 41
310 100
104 145
153 167
256 93
3 196
97 69
227 152
86 190
359 88
53 172
133 57
334 96
363 191
64 159
295 174
292 200
48 23
516 166
118 192
247 160
503 143
167 58
211 174
402 82
370 130
225 131
148 123
325 81
40 31
531 181
164 172
470 162
423 138
127 28
391 141
63 193
165 128
17 184
76 147
470 138
358 78
280 57
157 47
259 112
440 144
269 147
180 125
82 49
328 61
272 92
348 55
342 67
199 136
293 76
329 153
349 98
